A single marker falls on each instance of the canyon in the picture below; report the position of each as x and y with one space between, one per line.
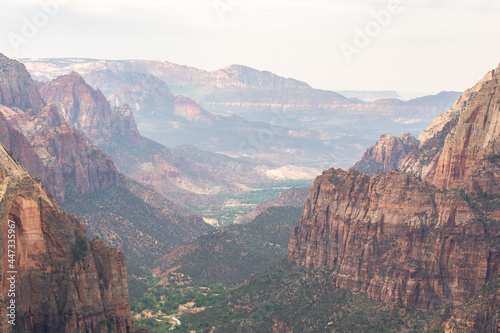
82 177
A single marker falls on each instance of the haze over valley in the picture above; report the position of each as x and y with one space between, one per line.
237 166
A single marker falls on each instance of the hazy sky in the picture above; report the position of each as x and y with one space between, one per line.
424 46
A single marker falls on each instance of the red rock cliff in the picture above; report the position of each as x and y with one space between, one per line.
71 162
87 109
409 241
387 154
64 282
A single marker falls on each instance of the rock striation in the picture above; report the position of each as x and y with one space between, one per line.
422 240
387 154
17 87
71 162
87 109
423 161
64 282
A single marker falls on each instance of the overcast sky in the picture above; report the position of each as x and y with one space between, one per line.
422 46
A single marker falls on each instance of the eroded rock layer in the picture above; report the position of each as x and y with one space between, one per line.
419 240
63 281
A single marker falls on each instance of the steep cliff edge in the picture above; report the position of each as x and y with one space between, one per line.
387 154
423 161
470 152
87 109
395 238
411 241
71 162
64 282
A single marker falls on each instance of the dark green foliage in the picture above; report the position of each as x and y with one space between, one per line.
493 158
368 166
304 301
266 192
81 248
231 255
436 329
143 232
167 300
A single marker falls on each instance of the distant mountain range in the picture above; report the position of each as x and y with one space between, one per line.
243 112
370 96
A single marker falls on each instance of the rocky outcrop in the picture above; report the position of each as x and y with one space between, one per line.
145 93
408 240
480 313
71 162
423 161
87 109
63 281
188 109
454 112
124 123
21 149
245 76
16 86
394 238
387 154
475 138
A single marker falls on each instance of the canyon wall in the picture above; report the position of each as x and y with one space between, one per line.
64 281
422 239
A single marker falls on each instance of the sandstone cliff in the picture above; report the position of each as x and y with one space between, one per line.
423 161
387 154
87 109
64 282
16 86
21 149
71 162
408 240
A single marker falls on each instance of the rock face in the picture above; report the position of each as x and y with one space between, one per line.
408 240
124 122
87 109
71 162
387 154
423 160
16 86
475 138
64 282
394 238
21 149
480 313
